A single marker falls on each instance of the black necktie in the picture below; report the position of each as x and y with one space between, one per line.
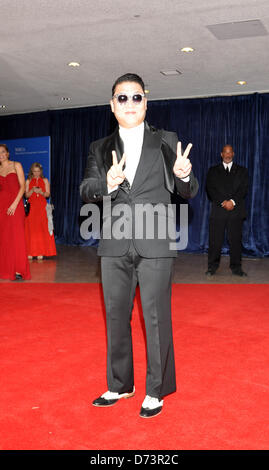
227 170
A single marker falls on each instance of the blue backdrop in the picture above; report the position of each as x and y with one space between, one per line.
209 123
31 150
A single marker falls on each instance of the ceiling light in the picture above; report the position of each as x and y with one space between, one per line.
74 64
187 49
170 72
146 91
2 106
241 82
65 98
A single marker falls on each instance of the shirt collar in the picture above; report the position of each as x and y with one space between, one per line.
133 131
229 165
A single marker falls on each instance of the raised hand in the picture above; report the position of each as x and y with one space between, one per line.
182 166
115 175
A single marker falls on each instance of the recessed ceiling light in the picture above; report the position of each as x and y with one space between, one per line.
187 49
74 64
2 106
170 72
146 91
65 98
241 82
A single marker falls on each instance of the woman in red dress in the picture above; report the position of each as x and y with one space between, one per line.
39 240
13 258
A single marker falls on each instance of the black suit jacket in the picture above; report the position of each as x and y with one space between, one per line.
219 191
153 184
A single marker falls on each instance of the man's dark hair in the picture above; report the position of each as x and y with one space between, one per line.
128 77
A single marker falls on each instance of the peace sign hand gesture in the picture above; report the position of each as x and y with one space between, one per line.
182 166
115 175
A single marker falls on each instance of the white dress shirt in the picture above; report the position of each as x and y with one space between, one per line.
228 165
133 141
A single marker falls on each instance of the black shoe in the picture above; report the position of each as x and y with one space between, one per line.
151 407
110 398
210 272
239 272
18 277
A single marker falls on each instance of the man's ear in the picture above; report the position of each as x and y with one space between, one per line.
112 106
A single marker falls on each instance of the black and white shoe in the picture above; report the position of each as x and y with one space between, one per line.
110 398
151 407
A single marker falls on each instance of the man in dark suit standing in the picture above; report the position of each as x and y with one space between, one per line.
137 165
227 185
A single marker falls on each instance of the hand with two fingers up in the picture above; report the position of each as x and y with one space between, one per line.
115 174
182 166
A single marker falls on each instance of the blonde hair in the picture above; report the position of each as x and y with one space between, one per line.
38 165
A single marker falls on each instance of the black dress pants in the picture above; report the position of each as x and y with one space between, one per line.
120 276
217 226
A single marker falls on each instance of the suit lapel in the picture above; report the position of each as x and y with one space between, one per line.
235 174
234 169
149 154
221 172
113 142
222 169
169 158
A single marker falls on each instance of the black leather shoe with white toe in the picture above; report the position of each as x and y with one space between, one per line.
101 401
147 413
151 407
110 398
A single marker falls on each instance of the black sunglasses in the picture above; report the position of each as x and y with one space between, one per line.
122 98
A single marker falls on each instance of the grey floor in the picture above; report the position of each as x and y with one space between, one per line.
81 264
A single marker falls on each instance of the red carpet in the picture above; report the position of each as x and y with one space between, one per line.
53 359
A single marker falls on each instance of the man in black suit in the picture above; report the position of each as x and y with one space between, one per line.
227 185
137 166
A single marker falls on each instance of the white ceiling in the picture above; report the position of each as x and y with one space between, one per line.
111 37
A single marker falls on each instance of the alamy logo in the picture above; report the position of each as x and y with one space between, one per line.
138 221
